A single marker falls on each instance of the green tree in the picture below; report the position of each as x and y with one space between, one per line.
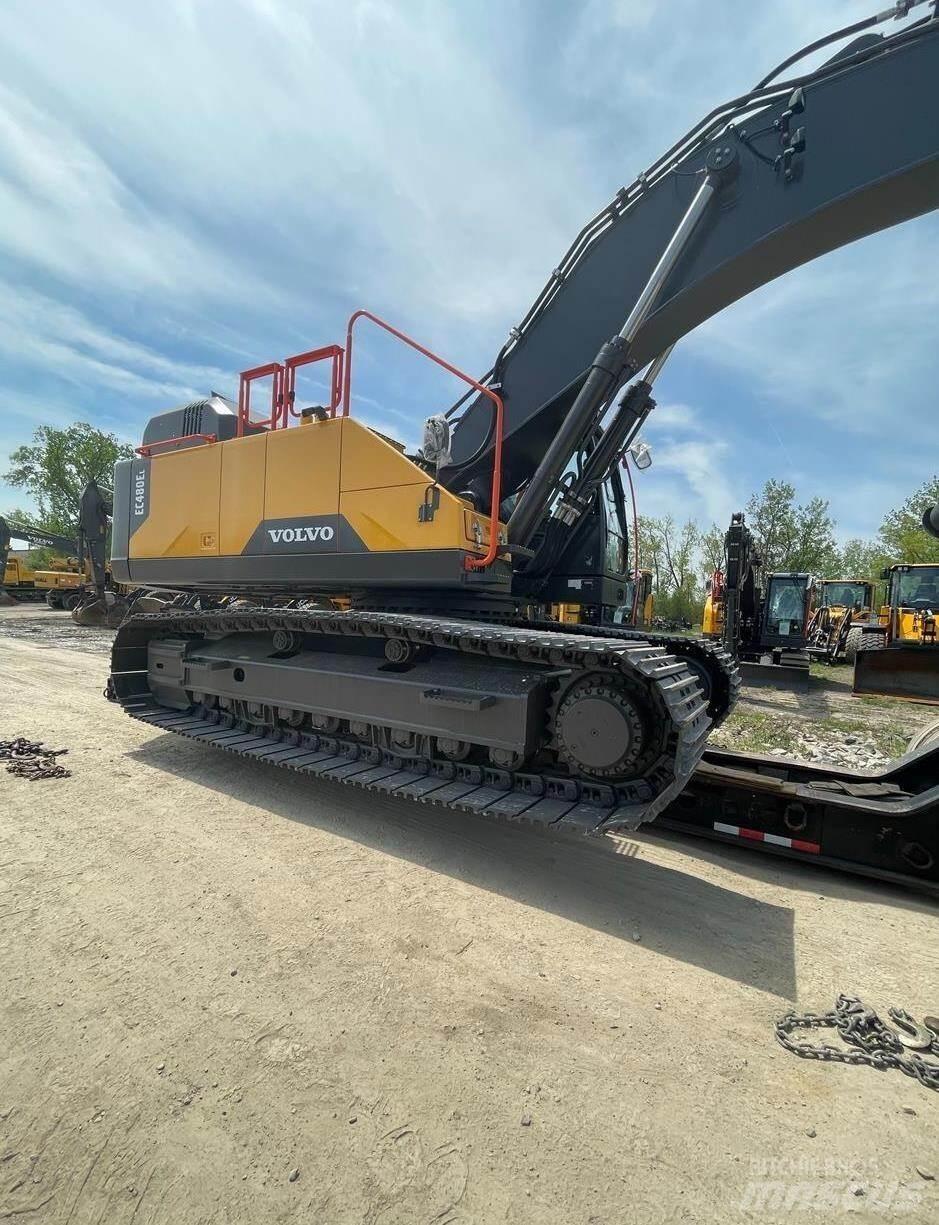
814 550
901 533
862 559
671 553
57 465
792 537
771 517
712 549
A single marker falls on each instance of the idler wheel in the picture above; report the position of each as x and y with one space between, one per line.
600 729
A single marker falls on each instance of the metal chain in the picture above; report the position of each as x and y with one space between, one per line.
874 1042
29 759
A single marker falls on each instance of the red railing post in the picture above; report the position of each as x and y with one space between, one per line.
471 563
278 408
333 352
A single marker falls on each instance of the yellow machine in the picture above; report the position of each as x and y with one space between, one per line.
23 582
712 621
841 608
898 654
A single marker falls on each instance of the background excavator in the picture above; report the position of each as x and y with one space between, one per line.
55 583
764 627
443 677
81 581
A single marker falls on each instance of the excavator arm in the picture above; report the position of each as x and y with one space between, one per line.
94 516
763 184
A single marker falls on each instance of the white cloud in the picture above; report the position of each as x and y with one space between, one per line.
680 417
42 332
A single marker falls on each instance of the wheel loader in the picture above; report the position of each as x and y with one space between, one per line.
841 608
898 653
393 629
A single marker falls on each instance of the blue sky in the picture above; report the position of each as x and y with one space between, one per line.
193 187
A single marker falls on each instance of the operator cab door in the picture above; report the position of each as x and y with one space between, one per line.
786 611
591 570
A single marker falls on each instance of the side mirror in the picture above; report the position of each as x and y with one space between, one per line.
931 520
641 455
885 573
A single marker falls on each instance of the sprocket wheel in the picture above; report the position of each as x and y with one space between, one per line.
599 729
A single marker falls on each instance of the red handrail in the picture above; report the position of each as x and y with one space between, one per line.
305 359
146 450
471 563
277 397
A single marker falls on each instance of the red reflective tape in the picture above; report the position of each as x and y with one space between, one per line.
812 848
755 835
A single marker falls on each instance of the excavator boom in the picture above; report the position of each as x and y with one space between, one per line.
800 168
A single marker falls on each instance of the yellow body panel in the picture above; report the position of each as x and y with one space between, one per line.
241 497
712 625
303 470
15 573
185 493
908 625
211 500
648 609
368 462
567 614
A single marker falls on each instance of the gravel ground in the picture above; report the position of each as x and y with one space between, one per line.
231 995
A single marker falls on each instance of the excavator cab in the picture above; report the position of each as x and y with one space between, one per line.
785 612
589 583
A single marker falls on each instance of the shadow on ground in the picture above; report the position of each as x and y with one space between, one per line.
678 914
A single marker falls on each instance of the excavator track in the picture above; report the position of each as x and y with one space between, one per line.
715 667
580 669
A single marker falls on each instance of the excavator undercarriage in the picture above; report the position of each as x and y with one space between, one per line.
615 724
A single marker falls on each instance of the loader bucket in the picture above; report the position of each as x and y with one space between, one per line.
900 671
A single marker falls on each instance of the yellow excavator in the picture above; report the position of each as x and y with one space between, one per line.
898 653
58 583
443 676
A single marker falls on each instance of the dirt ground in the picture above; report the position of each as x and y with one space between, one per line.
231 994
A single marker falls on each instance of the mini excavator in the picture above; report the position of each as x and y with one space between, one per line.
392 630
